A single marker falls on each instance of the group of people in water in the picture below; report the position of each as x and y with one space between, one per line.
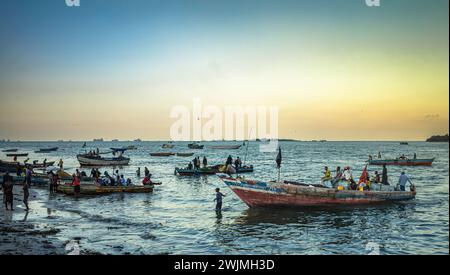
196 164
365 182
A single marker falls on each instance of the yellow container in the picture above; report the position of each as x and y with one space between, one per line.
361 188
340 187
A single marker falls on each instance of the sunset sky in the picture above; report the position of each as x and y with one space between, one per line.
337 69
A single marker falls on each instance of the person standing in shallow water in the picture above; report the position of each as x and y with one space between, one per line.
26 194
8 195
218 199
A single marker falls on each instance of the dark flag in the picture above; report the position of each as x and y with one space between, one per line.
278 160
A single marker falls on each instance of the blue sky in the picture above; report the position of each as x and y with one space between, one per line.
124 53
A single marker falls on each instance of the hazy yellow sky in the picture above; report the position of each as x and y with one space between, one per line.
337 70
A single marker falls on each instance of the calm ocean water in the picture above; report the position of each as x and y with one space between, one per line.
179 217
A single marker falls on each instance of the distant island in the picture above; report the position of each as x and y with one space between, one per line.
438 139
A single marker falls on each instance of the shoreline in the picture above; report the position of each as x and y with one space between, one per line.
20 237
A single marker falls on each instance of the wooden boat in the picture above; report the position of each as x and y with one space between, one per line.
162 154
35 179
96 160
402 162
195 146
13 167
290 194
194 172
404 143
93 189
226 147
46 150
211 170
10 150
236 170
167 146
41 165
9 166
17 155
185 154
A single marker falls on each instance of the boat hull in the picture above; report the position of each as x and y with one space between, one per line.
91 189
225 147
93 161
272 194
400 162
10 150
46 150
195 146
17 155
210 171
185 154
197 172
162 154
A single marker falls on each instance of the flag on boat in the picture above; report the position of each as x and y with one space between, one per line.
363 177
278 160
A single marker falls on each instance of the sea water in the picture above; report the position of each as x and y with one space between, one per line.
179 216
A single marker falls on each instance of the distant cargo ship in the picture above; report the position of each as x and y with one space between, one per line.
137 140
98 139
438 139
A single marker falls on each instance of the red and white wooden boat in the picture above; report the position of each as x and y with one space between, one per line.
291 194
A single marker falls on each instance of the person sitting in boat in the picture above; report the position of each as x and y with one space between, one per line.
123 181
109 180
370 157
327 174
376 178
129 182
76 184
93 173
403 157
236 163
403 180
230 169
83 174
379 155
35 162
190 166
104 181
147 181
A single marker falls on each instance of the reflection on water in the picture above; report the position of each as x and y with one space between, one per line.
179 217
